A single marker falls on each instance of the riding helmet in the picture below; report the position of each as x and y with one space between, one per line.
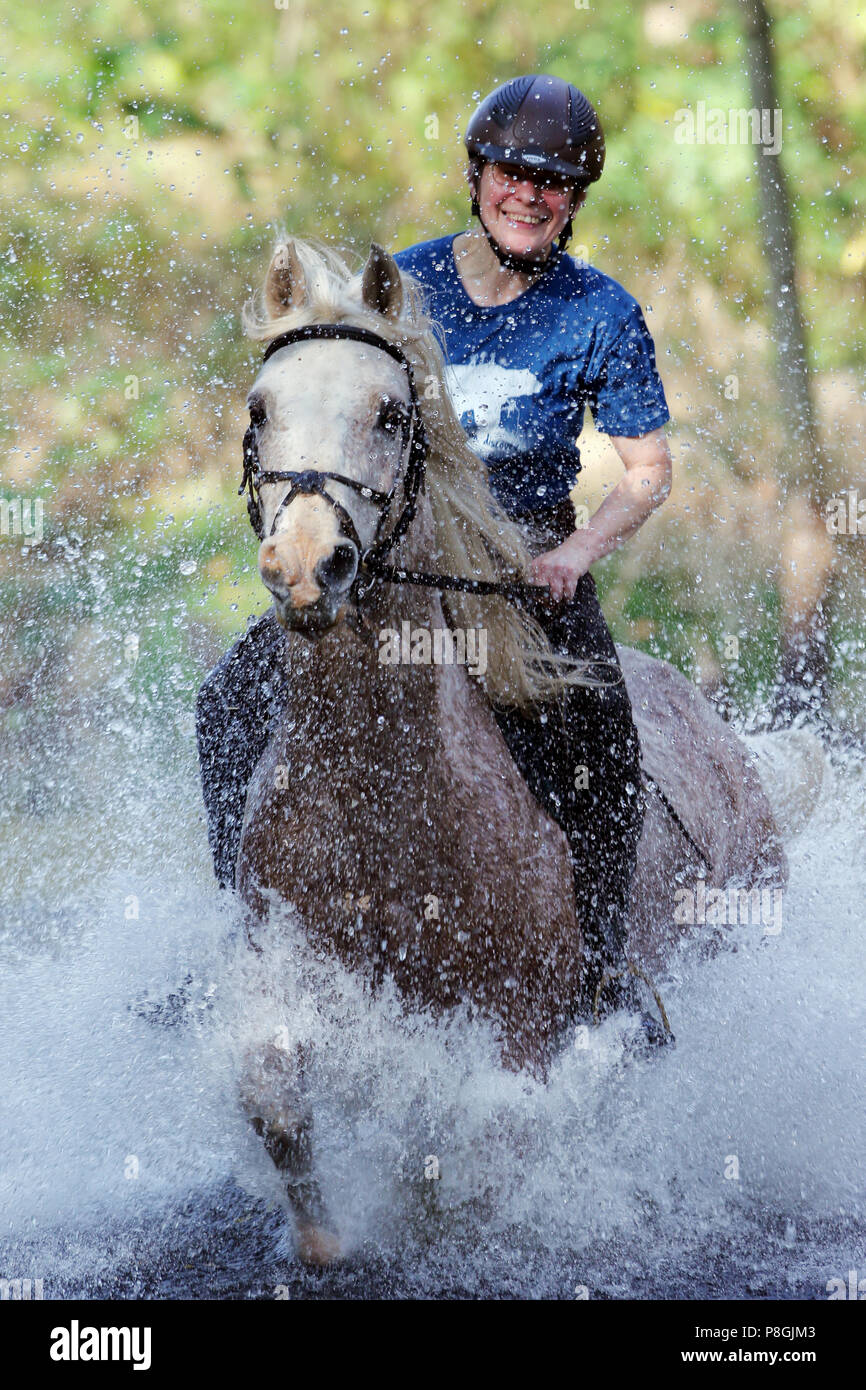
539 122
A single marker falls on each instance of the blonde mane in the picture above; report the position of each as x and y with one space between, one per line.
473 534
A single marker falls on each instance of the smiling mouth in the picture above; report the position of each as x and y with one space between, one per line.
522 219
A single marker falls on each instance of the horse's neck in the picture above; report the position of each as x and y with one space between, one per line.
392 717
341 691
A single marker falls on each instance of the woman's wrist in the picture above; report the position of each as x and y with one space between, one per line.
620 515
586 545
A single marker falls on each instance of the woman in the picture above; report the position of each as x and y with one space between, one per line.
531 338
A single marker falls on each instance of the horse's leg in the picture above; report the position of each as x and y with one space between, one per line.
272 1097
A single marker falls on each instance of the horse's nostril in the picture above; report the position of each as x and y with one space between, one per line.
339 568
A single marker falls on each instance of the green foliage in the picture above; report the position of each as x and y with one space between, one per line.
149 152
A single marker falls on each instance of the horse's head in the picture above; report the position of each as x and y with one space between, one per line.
332 421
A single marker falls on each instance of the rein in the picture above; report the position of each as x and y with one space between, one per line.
311 481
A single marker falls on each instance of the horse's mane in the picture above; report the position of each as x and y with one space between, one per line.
474 536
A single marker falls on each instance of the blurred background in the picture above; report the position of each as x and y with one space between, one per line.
149 155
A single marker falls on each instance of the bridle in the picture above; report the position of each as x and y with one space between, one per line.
311 482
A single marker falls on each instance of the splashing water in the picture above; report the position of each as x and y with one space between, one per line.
727 1167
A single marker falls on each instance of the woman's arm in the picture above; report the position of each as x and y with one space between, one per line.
644 486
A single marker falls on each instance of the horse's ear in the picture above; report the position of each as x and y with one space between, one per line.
286 284
381 289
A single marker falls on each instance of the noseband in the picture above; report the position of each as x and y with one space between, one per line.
312 482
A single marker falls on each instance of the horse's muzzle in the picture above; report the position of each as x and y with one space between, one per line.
309 600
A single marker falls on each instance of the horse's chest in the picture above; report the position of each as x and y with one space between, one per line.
393 831
406 859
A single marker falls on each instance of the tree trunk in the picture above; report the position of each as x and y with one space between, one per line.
806 551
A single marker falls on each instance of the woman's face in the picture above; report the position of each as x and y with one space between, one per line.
524 217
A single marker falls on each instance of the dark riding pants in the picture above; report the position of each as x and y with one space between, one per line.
582 761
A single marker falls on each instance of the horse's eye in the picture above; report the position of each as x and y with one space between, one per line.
258 411
391 416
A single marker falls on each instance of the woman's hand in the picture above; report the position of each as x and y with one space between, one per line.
562 568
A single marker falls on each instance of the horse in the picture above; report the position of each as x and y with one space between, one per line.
386 809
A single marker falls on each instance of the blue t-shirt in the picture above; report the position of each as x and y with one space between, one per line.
521 373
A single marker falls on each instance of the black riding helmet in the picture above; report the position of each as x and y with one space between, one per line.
541 123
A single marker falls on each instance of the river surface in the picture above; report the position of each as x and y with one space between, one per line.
731 1166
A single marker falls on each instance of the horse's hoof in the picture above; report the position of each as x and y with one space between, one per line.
317 1247
650 1038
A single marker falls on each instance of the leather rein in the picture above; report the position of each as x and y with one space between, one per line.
311 481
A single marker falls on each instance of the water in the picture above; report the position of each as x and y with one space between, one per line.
730 1167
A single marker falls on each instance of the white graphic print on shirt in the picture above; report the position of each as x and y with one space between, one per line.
484 395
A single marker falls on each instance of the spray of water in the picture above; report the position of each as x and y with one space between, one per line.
730 1165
